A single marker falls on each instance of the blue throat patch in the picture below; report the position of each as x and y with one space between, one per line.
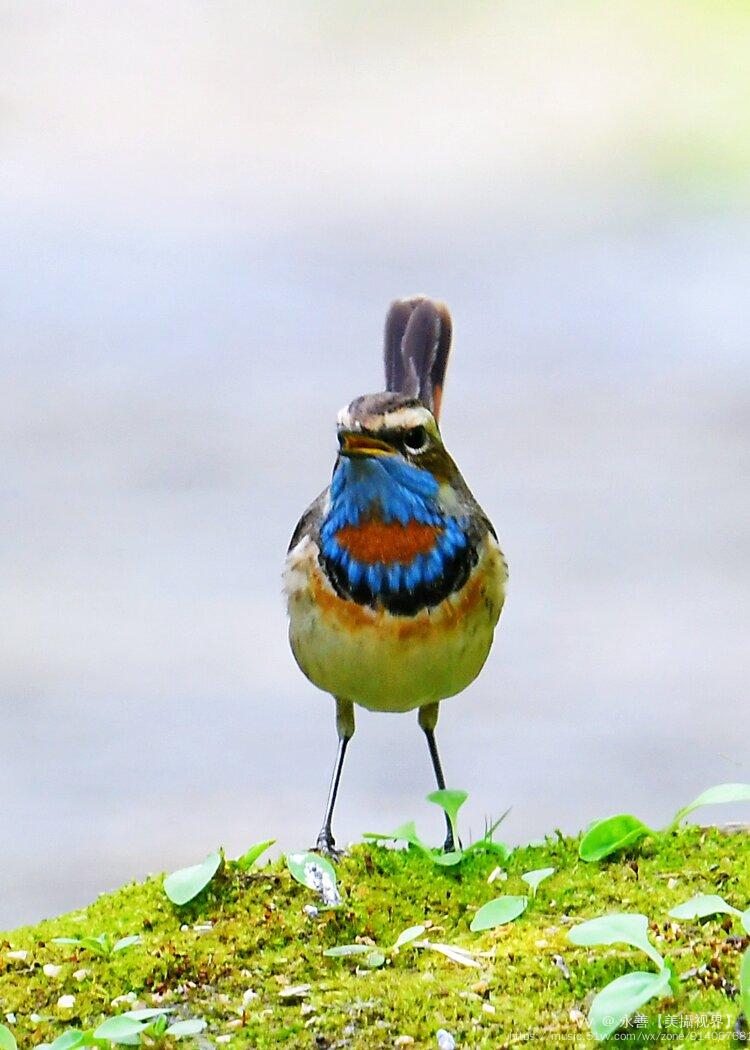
390 489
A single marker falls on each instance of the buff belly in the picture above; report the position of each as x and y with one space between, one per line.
385 662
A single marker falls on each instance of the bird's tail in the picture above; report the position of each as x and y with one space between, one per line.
417 344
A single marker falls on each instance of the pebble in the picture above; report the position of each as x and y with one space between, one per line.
20 954
445 1040
223 1038
81 975
488 1008
541 943
35 1018
51 970
311 911
248 996
66 1002
672 883
497 873
295 991
129 997
10 1018
404 1040
562 966
577 1017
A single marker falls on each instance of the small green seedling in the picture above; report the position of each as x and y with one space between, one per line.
505 909
184 885
450 802
74 1038
621 998
704 904
7 1039
128 1029
609 836
605 837
536 877
317 873
375 958
249 858
498 912
101 945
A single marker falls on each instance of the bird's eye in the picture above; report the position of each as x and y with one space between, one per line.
415 439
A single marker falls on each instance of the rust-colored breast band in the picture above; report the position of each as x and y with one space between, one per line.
374 542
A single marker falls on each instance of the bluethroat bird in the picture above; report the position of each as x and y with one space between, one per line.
394 577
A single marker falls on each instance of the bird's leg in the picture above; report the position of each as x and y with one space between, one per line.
345 730
428 716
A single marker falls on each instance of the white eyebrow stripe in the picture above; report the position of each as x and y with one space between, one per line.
414 416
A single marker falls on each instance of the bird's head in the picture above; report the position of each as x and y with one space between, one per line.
375 426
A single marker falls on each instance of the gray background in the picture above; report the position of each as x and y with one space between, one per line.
204 211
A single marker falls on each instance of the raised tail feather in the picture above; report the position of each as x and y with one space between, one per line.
417 344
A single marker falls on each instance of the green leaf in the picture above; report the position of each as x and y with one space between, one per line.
745 985
342 950
622 997
317 873
498 912
147 1013
65 940
534 878
99 945
193 1026
404 833
450 802
248 859
745 920
610 835
409 934
619 928
447 860
702 905
182 886
69 1040
7 1039
126 942
118 1028
488 846
374 960
158 1026
713 796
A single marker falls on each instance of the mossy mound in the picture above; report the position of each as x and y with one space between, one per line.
237 955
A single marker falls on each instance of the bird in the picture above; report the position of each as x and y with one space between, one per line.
394 578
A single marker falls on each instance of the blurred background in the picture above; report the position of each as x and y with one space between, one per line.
205 208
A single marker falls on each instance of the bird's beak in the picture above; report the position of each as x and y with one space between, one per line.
354 443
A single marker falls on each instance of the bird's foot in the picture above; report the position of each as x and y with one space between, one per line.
326 846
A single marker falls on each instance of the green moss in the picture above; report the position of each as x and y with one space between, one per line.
250 932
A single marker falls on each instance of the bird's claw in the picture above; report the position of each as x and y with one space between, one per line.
326 846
